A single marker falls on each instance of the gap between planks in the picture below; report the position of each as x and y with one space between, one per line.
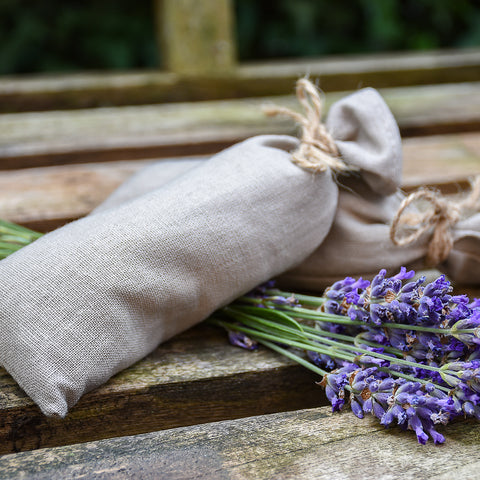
47 197
303 444
127 133
87 90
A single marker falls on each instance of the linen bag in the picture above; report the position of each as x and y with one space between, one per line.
93 297
373 227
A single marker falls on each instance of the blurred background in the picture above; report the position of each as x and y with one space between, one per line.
69 35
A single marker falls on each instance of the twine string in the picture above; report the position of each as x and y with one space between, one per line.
317 150
441 216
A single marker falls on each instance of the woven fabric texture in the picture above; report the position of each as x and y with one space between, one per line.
93 297
359 244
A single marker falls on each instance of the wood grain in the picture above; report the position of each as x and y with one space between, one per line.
302 444
195 378
47 197
196 38
87 90
127 133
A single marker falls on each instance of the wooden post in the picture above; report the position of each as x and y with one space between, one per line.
196 36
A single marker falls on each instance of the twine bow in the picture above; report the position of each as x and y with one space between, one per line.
441 215
317 150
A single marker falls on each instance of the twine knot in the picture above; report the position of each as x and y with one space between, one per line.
441 214
317 150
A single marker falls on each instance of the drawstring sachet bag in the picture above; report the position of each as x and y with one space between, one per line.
376 226
93 297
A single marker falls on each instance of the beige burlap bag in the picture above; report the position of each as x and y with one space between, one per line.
95 296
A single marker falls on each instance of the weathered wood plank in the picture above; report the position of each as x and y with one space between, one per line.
296 445
46 197
195 378
196 38
445 161
127 133
86 90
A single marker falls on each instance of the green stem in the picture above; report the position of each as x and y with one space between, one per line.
10 246
261 338
256 334
335 347
256 323
294 357
14 229
304 313
307 314
304 299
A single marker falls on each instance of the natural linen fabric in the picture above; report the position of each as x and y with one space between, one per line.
359 242
367 136
148 179
93 297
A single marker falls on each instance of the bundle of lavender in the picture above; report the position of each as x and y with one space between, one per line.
405 351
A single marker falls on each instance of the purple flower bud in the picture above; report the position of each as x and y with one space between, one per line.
395 412
379 278
438 287
369 360
475 303
436 436
241 340
403 274
356 408
337 404
378 410
321 360
415 424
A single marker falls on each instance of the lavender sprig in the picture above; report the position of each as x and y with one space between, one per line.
405 351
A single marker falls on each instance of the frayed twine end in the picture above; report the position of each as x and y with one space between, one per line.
317 150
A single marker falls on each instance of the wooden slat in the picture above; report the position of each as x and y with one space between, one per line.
446 161
195 378
87 90
126 133
297 445
196 38
47 197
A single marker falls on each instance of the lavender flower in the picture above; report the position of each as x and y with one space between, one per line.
334 384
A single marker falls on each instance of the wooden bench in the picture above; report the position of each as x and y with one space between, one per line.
59 160
198 377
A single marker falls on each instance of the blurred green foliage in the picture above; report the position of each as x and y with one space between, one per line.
293 28
74 35
70 35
